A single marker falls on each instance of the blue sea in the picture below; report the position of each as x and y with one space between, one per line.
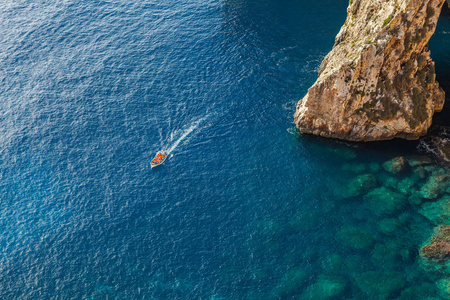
244 207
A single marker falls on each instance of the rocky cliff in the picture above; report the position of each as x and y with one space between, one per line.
378 82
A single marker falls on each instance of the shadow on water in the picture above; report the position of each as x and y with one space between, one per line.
439 45
437 140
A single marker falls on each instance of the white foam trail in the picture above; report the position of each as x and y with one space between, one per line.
185 134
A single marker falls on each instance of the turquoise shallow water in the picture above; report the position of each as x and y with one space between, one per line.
244 208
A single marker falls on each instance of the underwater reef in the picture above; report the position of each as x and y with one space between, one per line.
386 235
411 183
439 247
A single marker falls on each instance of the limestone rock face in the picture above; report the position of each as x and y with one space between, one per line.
378 82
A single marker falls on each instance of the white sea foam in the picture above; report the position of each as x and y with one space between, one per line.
426 147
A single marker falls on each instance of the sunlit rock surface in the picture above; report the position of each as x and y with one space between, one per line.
378 82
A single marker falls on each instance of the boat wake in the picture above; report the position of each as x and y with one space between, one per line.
186 132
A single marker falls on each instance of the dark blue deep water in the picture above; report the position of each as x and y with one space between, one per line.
244 208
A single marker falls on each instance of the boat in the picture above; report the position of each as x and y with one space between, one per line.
159 159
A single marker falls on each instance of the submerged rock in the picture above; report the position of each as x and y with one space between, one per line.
344 153
435 170
407 186
437 212
439 248
406 254
419 160
384 200
361 185
415 198
332 264
356 263
290 284
396 165
435 186
374 167
380 285
388 181
419 291
378 82
355 237
385 255
420 172
444 287
304 221
389 226
326 287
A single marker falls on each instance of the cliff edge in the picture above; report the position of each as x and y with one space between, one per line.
378 82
